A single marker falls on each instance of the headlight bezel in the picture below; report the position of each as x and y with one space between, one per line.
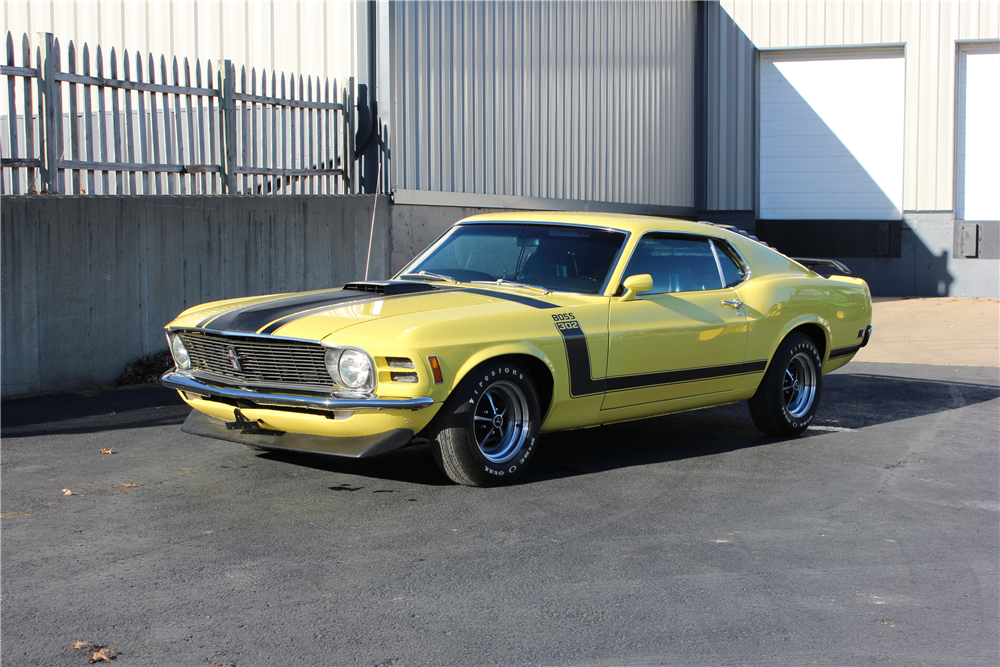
335 359
179 352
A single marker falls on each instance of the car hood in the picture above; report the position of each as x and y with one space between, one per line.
317 315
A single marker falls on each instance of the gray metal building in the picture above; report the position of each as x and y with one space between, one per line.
830 128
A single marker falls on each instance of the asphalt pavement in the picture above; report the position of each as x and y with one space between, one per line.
682 540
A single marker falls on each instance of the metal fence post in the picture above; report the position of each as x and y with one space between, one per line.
349 144
51 130
227 107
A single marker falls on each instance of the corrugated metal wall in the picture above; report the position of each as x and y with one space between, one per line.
301 36
929 29
730 108
568 100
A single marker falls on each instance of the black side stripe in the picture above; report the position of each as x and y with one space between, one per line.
583 384
844 351
580 381
685 375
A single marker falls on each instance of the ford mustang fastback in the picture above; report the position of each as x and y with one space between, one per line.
516 324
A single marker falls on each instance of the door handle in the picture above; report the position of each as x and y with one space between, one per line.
735 304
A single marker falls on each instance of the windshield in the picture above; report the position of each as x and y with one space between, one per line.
558 258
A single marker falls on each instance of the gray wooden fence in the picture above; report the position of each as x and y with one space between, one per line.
142 127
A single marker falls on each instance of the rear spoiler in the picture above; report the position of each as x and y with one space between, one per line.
810 262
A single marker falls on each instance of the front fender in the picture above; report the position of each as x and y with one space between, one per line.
507 349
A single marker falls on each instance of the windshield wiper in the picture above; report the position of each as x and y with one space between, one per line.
501 282
430 276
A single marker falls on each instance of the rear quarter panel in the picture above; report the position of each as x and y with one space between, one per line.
782 296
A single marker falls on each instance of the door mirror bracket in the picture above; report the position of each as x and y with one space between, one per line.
642 282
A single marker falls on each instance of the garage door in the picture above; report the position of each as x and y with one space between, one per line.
831 135
977 193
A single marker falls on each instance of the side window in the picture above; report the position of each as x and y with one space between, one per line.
677 264
732 272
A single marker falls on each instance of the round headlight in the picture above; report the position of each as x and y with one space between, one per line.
355 369
180 354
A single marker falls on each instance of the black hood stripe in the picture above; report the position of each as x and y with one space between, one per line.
516 298
252 318
277 324
269 316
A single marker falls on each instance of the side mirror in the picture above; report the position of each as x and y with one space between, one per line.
634 284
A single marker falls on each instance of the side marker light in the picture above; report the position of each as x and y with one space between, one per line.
436 369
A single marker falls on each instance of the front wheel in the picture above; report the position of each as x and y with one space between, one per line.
485 434
787 398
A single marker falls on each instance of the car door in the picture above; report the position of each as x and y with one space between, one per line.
687 336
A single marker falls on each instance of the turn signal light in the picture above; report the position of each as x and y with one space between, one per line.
436 369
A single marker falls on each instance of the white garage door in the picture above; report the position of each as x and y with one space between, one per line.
831 135
977 191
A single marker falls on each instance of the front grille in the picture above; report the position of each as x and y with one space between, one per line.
261 361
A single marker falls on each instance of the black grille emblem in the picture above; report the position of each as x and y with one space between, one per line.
234 359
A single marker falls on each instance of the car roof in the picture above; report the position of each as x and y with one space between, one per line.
624 222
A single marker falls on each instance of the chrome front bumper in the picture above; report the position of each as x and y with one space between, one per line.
175 380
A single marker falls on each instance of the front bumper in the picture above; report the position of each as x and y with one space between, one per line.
188 384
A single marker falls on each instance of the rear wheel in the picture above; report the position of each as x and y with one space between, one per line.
485 434
787 398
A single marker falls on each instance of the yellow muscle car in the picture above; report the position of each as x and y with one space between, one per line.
516 324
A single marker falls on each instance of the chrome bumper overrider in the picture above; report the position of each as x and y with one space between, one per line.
175 380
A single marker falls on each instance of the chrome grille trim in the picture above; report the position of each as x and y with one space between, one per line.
262 361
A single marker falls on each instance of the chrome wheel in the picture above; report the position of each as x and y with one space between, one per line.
799 385
501 421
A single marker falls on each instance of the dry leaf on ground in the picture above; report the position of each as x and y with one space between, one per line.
86 645
130 486
67 492
105 654
107 451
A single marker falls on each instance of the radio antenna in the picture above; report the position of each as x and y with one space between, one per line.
371 233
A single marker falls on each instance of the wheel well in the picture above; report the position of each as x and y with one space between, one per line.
540 375
817 334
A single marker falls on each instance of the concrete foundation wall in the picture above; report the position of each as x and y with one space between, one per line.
927 265
89 282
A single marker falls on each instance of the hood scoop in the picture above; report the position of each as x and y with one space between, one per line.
389 287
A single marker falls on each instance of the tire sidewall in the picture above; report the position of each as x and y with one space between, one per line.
797 345
461 423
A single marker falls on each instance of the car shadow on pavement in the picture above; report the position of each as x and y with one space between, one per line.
849 402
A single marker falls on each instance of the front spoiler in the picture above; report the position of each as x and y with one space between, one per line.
357 447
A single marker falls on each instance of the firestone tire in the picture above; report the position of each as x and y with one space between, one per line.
787 398
485 434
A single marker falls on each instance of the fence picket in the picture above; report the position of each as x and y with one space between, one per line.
29 125
117 138
143 136
102 123
201 128
168 134
129 124
211 121
253 133
192 179
180 128
15 185
88 121
265 184
154 125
